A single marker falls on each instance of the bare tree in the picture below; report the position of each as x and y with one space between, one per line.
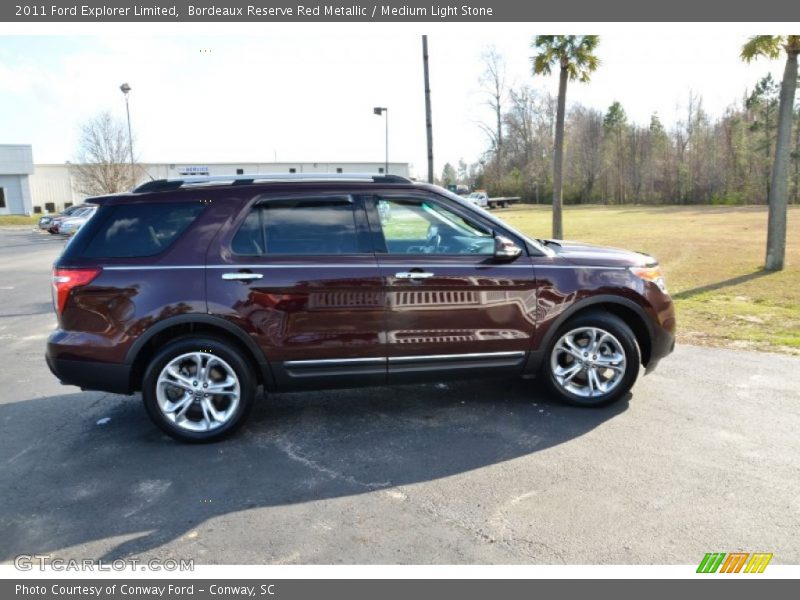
493 82
103 157
584 150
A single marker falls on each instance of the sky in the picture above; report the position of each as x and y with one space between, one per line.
305 93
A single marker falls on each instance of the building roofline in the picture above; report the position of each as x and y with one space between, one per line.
246 162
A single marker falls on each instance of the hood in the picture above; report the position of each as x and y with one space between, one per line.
585 254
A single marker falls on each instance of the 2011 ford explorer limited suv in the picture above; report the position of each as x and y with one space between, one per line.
197 292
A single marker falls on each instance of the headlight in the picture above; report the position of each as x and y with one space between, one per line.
651 274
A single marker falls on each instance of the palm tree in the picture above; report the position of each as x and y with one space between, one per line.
575 59
770 46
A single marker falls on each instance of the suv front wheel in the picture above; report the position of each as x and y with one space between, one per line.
593 360
198 389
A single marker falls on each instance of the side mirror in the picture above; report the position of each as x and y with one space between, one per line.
505 250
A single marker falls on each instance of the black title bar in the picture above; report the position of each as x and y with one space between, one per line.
732 588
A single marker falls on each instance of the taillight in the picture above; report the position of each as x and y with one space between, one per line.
65 280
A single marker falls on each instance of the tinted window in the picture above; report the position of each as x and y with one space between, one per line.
250 237
323 226
141 229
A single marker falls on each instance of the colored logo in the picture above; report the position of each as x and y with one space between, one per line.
735 562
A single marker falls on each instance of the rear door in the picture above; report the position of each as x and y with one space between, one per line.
298 273
452 309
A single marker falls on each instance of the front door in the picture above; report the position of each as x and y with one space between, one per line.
452 309
298 273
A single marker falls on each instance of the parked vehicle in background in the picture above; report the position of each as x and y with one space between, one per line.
46 221
69 224
197 291
481 198
460 189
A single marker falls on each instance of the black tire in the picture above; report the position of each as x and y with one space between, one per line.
205 347
622 336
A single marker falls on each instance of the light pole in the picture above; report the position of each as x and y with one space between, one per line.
428 117
379 110
125 89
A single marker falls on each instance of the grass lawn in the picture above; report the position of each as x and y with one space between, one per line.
19 220
712 257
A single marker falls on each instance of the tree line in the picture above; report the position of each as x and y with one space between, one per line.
609 159
742 157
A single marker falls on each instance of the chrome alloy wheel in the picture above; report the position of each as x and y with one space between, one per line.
198 391
588 362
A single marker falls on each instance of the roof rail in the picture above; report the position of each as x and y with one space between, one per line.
161 185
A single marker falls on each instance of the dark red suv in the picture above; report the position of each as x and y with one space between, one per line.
198 291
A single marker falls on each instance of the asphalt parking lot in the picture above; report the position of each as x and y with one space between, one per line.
704 456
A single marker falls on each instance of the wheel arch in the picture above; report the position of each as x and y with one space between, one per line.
631 313
195 324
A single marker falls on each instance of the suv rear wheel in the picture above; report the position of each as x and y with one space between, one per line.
592 361
198 389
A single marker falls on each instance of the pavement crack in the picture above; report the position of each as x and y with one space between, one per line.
515 545
289 449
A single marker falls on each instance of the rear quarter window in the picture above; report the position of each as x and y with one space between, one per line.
131 230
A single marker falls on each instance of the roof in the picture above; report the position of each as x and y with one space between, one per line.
161 185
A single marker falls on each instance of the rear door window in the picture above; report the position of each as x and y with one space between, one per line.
141 229
300 227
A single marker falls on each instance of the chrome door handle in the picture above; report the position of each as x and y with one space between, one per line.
412 275
241 276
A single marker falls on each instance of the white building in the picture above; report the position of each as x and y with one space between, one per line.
16 166
52 187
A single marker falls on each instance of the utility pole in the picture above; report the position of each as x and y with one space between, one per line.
428 122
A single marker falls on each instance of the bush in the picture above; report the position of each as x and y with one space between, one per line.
728 199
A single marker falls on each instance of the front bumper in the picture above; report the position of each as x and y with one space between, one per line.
662 344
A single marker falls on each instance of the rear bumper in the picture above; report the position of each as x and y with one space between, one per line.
91 375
